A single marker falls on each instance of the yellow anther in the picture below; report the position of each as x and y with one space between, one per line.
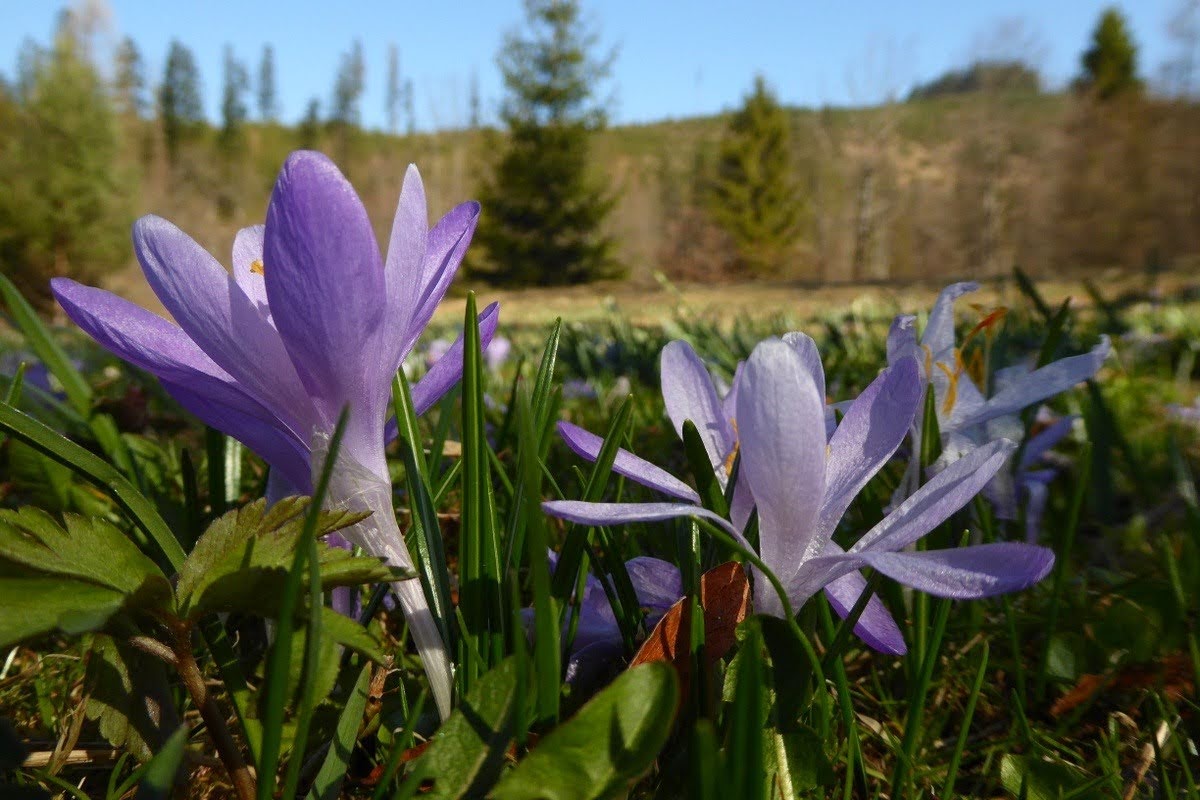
975 369
928 359
988 324
952 385
729 459
256 267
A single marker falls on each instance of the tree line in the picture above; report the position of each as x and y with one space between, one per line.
976 171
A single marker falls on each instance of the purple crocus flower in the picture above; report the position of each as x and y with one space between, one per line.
803 484
598 642
967 418
312 321
496 353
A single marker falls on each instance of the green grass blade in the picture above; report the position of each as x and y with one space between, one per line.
275 692
328 783
78 390
99 472
961 743
427 536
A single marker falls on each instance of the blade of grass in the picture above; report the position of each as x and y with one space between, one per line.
961 743
275 691
99 472
78 390
328 783
427 541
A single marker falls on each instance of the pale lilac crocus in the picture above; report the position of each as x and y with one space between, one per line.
967 418
802 484
598 642
312 321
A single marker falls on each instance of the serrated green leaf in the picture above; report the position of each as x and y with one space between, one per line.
33 606
467 752
348 633
600 751
244 556
129 695
89 549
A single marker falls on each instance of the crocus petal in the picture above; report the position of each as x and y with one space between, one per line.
606 514
967 573
939 330
688 393
1042 383
781 422
403 268
325 284
902 340
248 265
274 443
150 342
219 317
1042 441
445 247
656 583
875 626
1036 494
729 401
806 348
447 371
868 435
587 445
933 503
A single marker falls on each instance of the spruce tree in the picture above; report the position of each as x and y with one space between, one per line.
233 105
179 105
64 209
129 82
753 195
268 101
1110 63
395 90
543 208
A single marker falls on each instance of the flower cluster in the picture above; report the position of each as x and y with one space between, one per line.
798 469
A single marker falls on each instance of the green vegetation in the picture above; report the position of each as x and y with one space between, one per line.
752 195
545 206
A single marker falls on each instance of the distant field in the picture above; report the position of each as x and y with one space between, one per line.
651 305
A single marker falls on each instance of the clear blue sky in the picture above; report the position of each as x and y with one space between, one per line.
675 57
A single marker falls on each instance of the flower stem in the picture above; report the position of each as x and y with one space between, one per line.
193 681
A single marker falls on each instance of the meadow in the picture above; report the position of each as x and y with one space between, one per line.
167 644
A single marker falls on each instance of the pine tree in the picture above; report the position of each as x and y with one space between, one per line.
410 112
129 81
1110 63
180 108
268 102
473 103
233 105
348 88
753 196
64 209
543 209
393 98
309 129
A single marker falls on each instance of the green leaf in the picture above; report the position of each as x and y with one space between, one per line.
104 475
467 752
33 606
90 549
1035 779
129 695
795 762
744 759
159 778
329 779
241 562
600 751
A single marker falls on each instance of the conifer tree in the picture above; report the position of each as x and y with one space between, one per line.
64 208
1110 63
753 195
543 208
268 101
233 105
395 90
180 108
309 129
129 81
